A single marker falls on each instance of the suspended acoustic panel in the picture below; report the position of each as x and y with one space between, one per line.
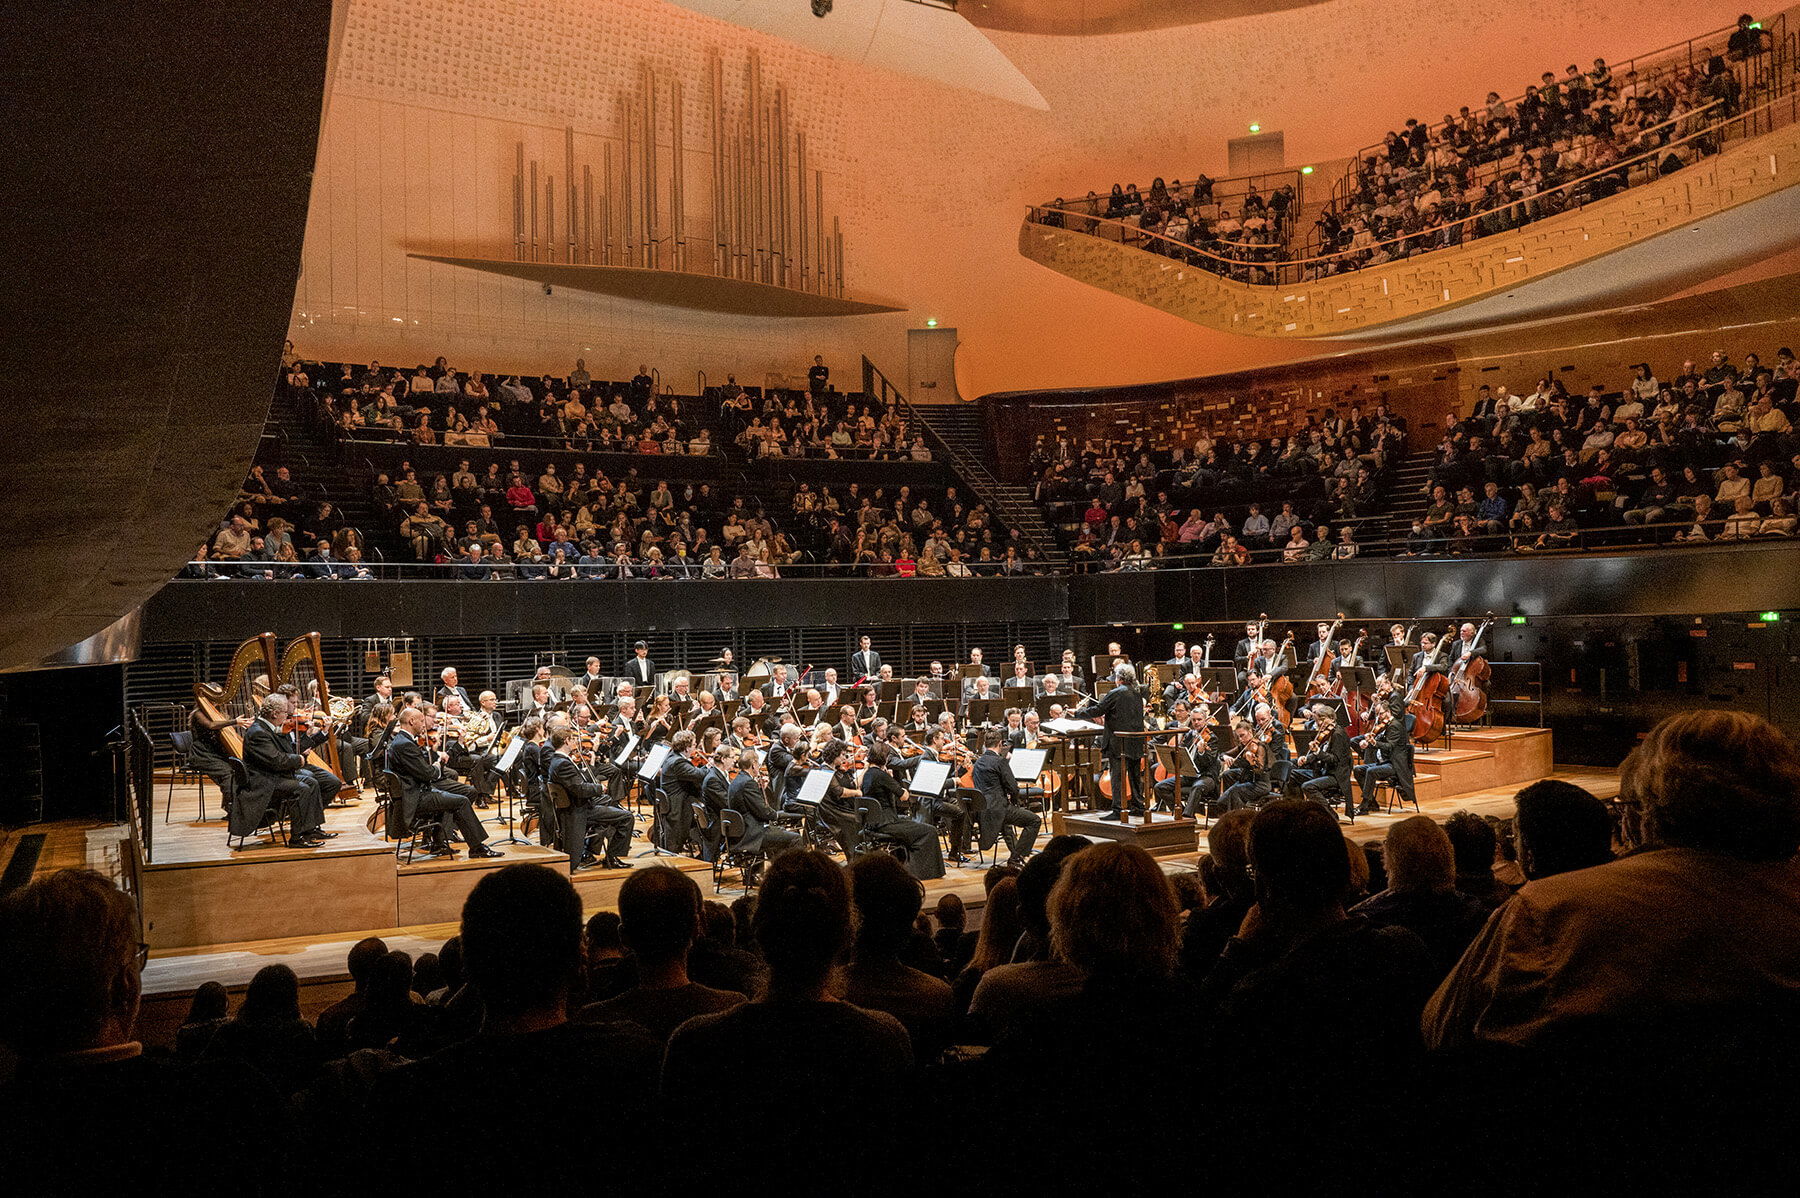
674 288
928 40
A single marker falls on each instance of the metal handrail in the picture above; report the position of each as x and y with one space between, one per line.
1628 65
1277 267
1592 539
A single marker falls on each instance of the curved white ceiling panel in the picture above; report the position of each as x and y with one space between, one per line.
899 35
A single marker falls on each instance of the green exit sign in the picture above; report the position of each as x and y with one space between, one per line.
1178 627
1770 617
1519 620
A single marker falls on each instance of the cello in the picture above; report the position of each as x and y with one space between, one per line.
1469 679
1425 698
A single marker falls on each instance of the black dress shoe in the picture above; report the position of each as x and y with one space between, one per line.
322 834
1369 809
481 850
614 863
306 840
1112 816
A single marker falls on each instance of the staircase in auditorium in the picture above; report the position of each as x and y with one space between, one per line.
961 430
1733 202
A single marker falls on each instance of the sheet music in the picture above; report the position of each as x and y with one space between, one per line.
929 778
812 790
625 753
1066 726
653 762
1027 764
511 755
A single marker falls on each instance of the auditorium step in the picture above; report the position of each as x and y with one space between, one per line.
1483 758
961 431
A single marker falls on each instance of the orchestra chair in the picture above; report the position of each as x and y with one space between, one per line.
868 840
539 816
1392 798
659 824
181 770
971 800
550 817
278 819
388 790
699 829
730 856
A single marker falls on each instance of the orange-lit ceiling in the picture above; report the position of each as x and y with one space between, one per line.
1082 17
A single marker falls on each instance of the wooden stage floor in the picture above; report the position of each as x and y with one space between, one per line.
319 958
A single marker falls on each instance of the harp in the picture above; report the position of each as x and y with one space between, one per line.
247 682
302 666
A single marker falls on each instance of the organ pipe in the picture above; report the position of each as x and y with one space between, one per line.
766 193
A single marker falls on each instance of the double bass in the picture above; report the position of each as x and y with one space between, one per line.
1469 679
1356 704
1425 698
1321 681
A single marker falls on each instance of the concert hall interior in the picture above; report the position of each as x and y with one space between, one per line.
816 577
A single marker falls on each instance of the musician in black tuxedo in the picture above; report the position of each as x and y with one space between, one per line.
448 688
275 769
1003 812
533 768
763 718
1387 757
640 669
589 804
785 771
1121 710
778 686
1323 773
875 788
865 662
747 797
425 792
682 784
715 792
946 808
1247 645
1194 789
593 680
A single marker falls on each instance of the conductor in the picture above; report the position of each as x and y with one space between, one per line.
1121 710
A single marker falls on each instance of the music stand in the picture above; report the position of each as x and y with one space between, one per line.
1100 664
1220 679
970 670
1360 679
1307 703
890 688
1018 696
1043 703
1121 791
1399 657
982 711
503 767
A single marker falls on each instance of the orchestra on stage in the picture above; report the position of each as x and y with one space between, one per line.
939 768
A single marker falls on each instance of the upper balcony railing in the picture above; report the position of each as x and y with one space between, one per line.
1688 55
1765 80
1571 195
